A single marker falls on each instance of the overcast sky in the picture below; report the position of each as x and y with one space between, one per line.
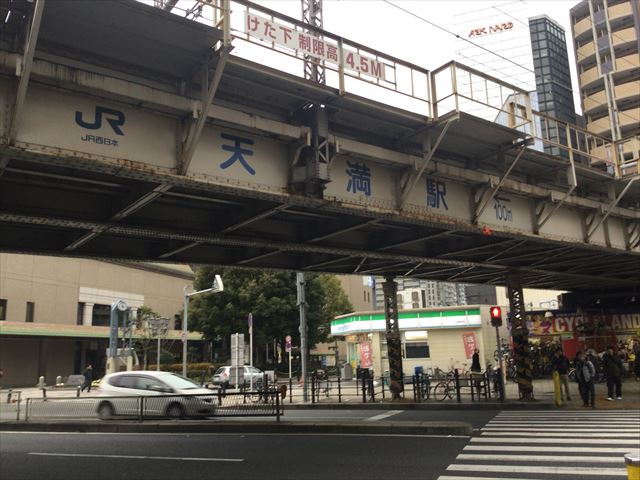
380 25
409 30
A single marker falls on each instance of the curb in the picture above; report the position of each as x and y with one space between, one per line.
377 428
532 405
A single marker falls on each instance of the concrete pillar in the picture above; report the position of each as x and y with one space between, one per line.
520 336
394 347
87 314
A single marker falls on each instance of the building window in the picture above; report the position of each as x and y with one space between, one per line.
3 309
30 312
101 315
80 314
416 350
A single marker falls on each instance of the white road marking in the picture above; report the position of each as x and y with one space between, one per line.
136 457
447 477
541 458
388 414
572 441
563 434
622 472
566 422
545 449
565 430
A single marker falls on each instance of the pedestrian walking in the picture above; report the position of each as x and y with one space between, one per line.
585 373
476 369
561 365
88 378
613 371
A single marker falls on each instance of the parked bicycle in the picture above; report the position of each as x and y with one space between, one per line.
444 389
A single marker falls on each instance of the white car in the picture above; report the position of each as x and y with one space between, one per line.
166 394
231 376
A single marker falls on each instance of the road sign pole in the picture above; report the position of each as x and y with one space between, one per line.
251 350
158 356
289 364
184 331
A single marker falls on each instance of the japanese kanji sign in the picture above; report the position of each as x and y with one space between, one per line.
311 45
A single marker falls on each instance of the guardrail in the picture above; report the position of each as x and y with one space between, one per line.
417 388
217 404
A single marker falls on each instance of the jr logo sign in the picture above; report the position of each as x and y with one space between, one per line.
114 118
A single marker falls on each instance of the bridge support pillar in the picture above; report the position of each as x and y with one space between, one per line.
520 336
390 291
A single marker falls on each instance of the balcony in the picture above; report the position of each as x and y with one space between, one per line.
629 119
628 62
602 127
594 101
588 77
586 51
598 100
624 36
582 26
619 11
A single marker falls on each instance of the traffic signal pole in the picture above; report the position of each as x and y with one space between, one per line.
501 362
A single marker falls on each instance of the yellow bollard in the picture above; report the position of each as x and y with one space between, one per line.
633 465
556 389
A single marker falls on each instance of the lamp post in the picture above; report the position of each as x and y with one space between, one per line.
216 287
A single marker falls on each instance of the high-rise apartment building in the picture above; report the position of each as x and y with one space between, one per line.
606 35
419 293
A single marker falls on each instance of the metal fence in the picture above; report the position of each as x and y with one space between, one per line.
421 388
217 404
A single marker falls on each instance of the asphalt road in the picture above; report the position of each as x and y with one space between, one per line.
33 456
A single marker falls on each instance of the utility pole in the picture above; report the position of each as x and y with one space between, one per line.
304 350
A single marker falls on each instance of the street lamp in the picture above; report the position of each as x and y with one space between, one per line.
216 287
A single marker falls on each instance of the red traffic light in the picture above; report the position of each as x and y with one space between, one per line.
496 316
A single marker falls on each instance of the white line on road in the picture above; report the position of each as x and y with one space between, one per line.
565 430
563 423
137 457
539 469
599 441
448 477
388 414
563 434
545 449
541 458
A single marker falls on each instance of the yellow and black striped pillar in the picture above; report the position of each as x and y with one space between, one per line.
520 336
394 352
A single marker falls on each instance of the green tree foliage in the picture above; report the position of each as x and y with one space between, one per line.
272 299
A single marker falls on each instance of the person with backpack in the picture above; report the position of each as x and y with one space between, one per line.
561 365
585 373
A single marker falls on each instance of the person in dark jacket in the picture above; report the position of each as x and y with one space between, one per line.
585 374
613 371
88 378
475 361
476 368
561 365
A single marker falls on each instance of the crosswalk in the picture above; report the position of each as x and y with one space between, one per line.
562 445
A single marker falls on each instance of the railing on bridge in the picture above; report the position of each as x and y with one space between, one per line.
285 43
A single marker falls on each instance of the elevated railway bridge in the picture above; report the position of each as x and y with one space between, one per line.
138 133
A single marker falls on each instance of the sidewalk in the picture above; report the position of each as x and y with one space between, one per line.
542 388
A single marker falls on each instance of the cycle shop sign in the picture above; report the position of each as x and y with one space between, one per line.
574 322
